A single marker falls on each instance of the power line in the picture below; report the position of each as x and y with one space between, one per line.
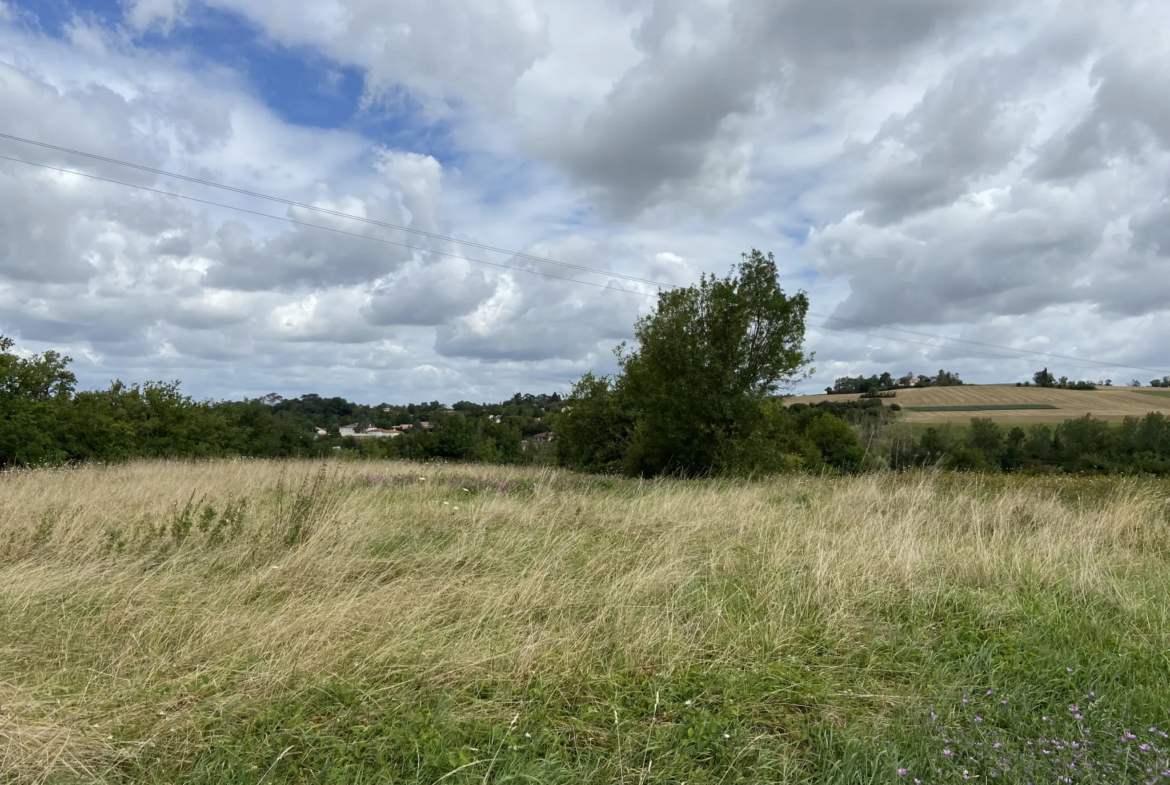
327 211
583 268
319 226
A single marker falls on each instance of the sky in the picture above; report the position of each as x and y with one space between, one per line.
988 171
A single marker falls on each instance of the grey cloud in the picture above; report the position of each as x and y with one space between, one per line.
660 133
302 257
542 321
431 295
1151 229
841 39
172 245
41 239
971 124
1131 110
966 261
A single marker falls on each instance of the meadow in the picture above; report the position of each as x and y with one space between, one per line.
366 622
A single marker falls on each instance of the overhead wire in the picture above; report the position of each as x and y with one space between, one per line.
316 226
335 213
1025 353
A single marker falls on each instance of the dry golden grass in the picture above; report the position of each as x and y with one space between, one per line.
1106 403
120 634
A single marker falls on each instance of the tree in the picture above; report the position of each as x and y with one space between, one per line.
835 441
706 362
595 432
706 359
985 437
34 391
1044 379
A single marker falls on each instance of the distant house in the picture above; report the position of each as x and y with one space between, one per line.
544 437
496 418
322 433
382 433
349 430
426 426
406 427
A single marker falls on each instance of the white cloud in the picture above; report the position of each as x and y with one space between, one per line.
986 169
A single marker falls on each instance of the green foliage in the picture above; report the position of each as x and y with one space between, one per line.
595 433
692 398
834 441
44 422
32 390
1045 378
875 383
1084 445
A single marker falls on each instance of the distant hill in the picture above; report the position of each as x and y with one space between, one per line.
1035 404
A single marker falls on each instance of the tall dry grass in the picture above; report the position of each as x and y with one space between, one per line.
136 600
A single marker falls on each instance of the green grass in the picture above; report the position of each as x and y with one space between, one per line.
998 407
565 629
1160 393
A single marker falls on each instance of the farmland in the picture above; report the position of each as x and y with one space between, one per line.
255 621
1112 404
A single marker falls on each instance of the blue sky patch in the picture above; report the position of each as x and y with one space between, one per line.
298 84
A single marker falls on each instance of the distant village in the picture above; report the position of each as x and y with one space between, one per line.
529 416
358 432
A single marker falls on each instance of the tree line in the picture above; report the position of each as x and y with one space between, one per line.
886 381
700 394
45 421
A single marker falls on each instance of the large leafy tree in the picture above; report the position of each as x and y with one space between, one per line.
693 390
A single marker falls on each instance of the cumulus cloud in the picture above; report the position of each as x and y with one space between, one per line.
440 52
678 126
428 294
540 322
991 170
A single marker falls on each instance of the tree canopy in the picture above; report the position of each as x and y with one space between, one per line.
691 393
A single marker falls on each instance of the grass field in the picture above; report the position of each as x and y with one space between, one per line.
256 622
1016 405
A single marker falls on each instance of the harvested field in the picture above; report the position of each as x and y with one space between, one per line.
1109 403
999 407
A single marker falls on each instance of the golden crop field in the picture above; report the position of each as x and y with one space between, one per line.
1111 403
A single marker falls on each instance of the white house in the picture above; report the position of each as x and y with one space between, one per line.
349 430
322 433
